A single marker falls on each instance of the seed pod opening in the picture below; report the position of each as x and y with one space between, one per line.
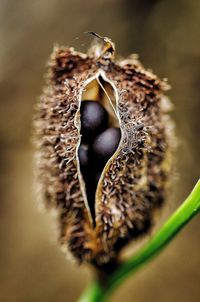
106 120
100 135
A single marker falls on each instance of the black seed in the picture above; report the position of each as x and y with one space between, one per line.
83 156
94 119
97 176
106 143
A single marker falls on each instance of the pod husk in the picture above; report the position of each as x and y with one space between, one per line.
133 183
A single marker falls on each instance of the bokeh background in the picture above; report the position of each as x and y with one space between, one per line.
166 34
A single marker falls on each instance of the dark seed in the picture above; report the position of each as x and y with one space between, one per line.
83 156
106 143
97 176
94 119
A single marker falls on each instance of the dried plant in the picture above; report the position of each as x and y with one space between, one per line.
107 199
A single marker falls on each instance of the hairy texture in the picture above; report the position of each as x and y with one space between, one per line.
133 182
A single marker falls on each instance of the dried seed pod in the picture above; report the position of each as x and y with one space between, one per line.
131 185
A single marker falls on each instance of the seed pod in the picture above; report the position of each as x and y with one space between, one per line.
96 220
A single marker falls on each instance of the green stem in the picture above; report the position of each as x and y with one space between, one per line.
190 207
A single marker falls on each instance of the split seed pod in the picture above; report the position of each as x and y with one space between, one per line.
132 182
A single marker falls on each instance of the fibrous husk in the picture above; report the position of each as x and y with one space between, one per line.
133 183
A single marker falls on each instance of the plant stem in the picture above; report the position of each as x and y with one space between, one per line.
190 207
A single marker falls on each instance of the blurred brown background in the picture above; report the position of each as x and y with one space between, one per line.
166 34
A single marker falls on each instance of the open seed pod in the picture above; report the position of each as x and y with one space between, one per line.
107 196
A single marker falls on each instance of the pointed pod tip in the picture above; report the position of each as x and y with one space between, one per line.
104 50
